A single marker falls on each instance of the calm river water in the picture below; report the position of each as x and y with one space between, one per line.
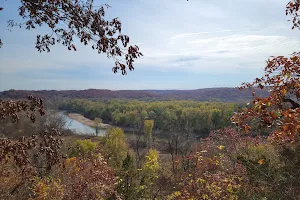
80 128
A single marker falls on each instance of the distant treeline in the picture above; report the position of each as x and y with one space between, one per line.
184 116
85 94
208 94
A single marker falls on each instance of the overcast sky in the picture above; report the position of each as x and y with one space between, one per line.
186 45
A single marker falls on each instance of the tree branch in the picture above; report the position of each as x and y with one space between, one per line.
294 104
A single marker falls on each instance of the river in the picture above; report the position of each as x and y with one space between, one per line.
80 128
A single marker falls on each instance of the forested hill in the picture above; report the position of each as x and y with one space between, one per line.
85 94
208 94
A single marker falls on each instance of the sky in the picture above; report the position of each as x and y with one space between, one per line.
186 45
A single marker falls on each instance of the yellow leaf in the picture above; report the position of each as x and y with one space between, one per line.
177 193
284 91
261 161
221 147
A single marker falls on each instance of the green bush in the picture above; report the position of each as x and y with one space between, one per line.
82 148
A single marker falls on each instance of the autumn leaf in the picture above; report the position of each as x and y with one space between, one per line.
261 161
279 107
221 147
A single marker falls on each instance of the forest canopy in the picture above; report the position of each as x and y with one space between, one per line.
179 116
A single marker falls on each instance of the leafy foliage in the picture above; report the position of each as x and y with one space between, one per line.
46 188
83 148
148 126
31 155
68 19
184 116
11 109
281 109
292 8
115 147
88 178
97 124
45 146
149 174
128 179
213 172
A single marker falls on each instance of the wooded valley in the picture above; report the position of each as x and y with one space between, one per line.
205 144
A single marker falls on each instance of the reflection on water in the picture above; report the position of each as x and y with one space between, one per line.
80 128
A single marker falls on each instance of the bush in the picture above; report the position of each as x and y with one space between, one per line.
82 148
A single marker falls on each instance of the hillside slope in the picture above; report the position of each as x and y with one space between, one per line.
208 94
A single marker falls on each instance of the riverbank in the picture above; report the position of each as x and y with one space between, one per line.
80 118
129 131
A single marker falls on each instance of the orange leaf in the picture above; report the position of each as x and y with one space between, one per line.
261 161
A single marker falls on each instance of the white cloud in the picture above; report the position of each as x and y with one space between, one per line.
178 36
187 34
218 37
222 54
246 45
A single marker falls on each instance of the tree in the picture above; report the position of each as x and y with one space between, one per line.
281 109
149 174
216 118
30 155
148 126
85 21
97 125
292 8
115 147
128 179
82 148
87 178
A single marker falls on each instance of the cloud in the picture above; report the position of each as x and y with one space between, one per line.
245 45
178 36
222 54
222 51
187 34
227 41
185 59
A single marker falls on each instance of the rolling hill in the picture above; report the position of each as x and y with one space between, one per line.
207 94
